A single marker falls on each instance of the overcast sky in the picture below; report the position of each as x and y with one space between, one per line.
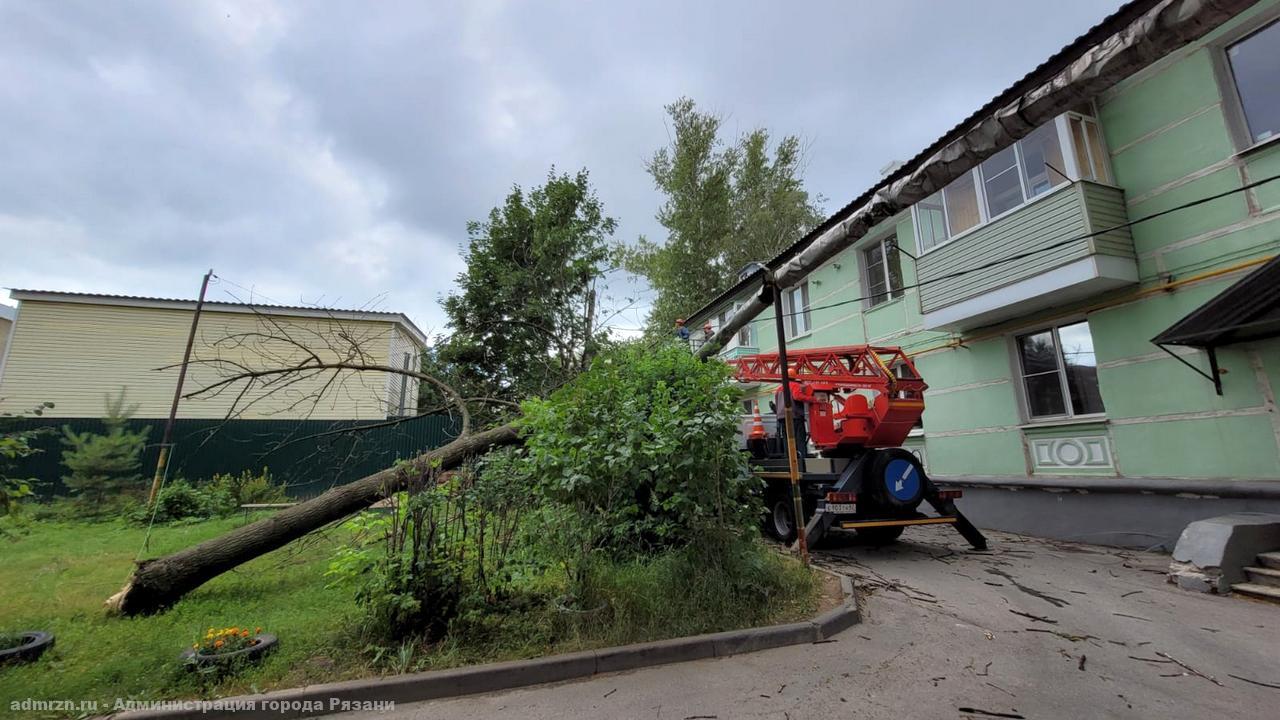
332 152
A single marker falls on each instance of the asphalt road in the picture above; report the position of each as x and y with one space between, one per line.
1029 629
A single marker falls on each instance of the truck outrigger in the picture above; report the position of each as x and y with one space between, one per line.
861 402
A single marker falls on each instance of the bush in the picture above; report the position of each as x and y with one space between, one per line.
643 449
15 445
180 500
248 488
104 468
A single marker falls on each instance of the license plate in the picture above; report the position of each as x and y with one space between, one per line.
841 508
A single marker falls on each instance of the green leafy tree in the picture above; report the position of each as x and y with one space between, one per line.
725 206
522 319
105 467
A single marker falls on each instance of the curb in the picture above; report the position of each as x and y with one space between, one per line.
377 693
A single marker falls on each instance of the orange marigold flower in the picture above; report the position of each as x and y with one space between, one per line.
257 631
218 644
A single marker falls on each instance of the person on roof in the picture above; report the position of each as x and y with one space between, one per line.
682 332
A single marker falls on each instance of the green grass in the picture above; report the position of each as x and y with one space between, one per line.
57 575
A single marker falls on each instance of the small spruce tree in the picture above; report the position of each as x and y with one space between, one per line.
105 467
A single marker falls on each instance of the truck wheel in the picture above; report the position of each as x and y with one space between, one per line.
880 535
897 478
779 521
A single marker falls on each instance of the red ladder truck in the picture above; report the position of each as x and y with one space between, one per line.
861 402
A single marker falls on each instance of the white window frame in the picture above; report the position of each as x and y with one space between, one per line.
790 325
885 243
1072 171
744 336
1233 106
1070 413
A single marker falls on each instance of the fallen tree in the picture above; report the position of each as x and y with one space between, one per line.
158 583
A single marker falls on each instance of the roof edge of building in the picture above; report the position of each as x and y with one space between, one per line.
399 319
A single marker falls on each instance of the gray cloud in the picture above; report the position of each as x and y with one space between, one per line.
333 152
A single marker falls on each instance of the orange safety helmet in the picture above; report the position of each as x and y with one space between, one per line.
679 321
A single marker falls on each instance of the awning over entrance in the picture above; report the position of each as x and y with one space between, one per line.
1248 310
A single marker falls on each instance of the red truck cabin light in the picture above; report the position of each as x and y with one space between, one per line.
842 497
949 494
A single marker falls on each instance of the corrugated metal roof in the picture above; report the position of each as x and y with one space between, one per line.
1053 65
1248 310
144 300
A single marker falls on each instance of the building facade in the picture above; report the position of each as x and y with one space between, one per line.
74 350
1028 302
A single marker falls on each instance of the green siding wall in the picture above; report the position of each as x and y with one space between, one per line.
1167 131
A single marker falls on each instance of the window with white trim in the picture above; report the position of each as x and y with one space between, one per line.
1068 148
882 269
795 307
745 335
1060 372
1254 63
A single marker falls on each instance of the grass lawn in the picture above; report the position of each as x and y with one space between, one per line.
57 575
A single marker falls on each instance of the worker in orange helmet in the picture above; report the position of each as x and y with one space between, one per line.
682 332
707 332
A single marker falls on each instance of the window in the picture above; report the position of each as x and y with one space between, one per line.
1060 372
883 268
1070 147
961 197
795 305
1042 165
931 221
1000 183
1255 64
1086 140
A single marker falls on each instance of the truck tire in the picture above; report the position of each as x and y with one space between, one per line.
897 479
779 521
880 535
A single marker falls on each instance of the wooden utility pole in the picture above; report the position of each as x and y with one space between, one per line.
162 463
793 461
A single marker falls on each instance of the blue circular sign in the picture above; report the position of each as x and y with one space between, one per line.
902 480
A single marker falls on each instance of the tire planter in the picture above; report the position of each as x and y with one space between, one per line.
266 643
35 642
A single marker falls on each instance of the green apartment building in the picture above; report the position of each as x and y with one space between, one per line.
1047 399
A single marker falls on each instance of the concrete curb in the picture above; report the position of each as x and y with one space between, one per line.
374 693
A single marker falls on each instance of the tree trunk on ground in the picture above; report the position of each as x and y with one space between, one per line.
158 583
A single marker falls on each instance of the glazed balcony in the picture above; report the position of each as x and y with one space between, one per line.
1074 268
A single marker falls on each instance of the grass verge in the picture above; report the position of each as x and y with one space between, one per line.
56 576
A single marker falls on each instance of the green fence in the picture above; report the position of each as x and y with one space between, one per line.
307 456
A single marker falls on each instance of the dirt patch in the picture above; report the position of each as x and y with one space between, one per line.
830 595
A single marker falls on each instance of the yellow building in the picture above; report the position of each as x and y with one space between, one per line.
74 349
